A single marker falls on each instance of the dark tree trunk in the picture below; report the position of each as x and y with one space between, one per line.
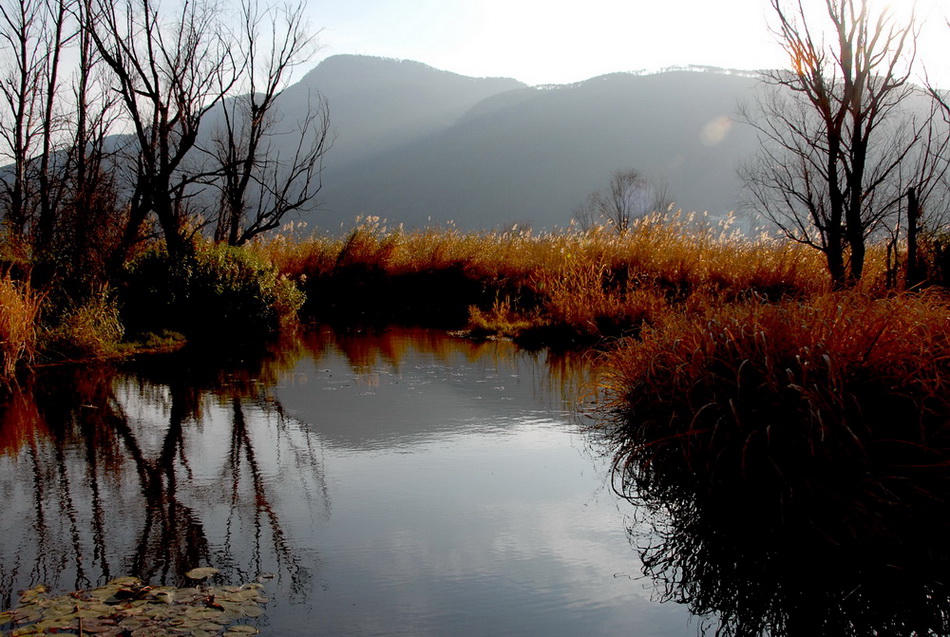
915 274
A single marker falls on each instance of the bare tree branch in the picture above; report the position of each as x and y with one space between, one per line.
169 75
828 128
258 188
628 197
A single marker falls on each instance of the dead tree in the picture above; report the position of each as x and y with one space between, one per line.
629 196
169 74
829 128
258 186
33 35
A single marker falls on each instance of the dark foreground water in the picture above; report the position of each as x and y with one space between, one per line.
402 483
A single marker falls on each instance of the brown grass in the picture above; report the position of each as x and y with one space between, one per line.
842 365
777 440
569 285
832 413
19 314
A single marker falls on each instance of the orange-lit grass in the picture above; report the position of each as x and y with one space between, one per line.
93 330
594 283
769 396
774 441
19 314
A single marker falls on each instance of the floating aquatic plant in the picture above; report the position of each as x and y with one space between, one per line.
127 607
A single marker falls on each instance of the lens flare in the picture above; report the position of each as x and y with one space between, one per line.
716 130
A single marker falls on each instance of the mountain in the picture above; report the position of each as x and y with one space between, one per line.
378 104
417 145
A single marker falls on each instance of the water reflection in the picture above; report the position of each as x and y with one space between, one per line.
396 482
769 537
119 461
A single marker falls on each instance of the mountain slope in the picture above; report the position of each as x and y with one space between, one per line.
416 145
377 103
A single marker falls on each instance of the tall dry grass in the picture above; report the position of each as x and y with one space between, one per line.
777 440
569 284
836 406
839 365
19 316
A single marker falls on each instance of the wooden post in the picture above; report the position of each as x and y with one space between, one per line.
915 276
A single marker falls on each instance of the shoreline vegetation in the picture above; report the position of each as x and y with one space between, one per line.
570 288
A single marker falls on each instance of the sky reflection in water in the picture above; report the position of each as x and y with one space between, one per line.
399 483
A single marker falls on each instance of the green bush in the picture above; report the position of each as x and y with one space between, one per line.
217 291
91 330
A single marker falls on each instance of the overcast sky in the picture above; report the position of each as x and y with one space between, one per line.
545 42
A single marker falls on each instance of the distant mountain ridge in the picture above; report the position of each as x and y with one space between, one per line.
379 103
417 145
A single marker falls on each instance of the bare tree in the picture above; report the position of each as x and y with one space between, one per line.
58 197
628 197
921 189
937 230
51 187
102 107
91 221
169 74
33 34
834 128
940 97
258 187
18 85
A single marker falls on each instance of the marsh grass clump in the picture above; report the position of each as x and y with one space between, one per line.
92 330
381 274
19 316
777 441
834 373
567 286
503 318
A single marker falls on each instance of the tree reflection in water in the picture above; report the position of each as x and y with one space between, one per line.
150 471
151 468
766 536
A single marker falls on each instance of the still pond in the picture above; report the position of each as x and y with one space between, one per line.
394 483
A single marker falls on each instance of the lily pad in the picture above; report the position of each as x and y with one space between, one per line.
150 631
203 572
252 611
125 581
202 613
128 607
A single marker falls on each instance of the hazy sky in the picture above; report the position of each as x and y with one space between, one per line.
545 42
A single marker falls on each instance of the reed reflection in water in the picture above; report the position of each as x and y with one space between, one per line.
772 532
402 483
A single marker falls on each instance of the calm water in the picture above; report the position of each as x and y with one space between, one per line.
402 483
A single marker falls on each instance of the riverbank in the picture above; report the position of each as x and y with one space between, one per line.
568 288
